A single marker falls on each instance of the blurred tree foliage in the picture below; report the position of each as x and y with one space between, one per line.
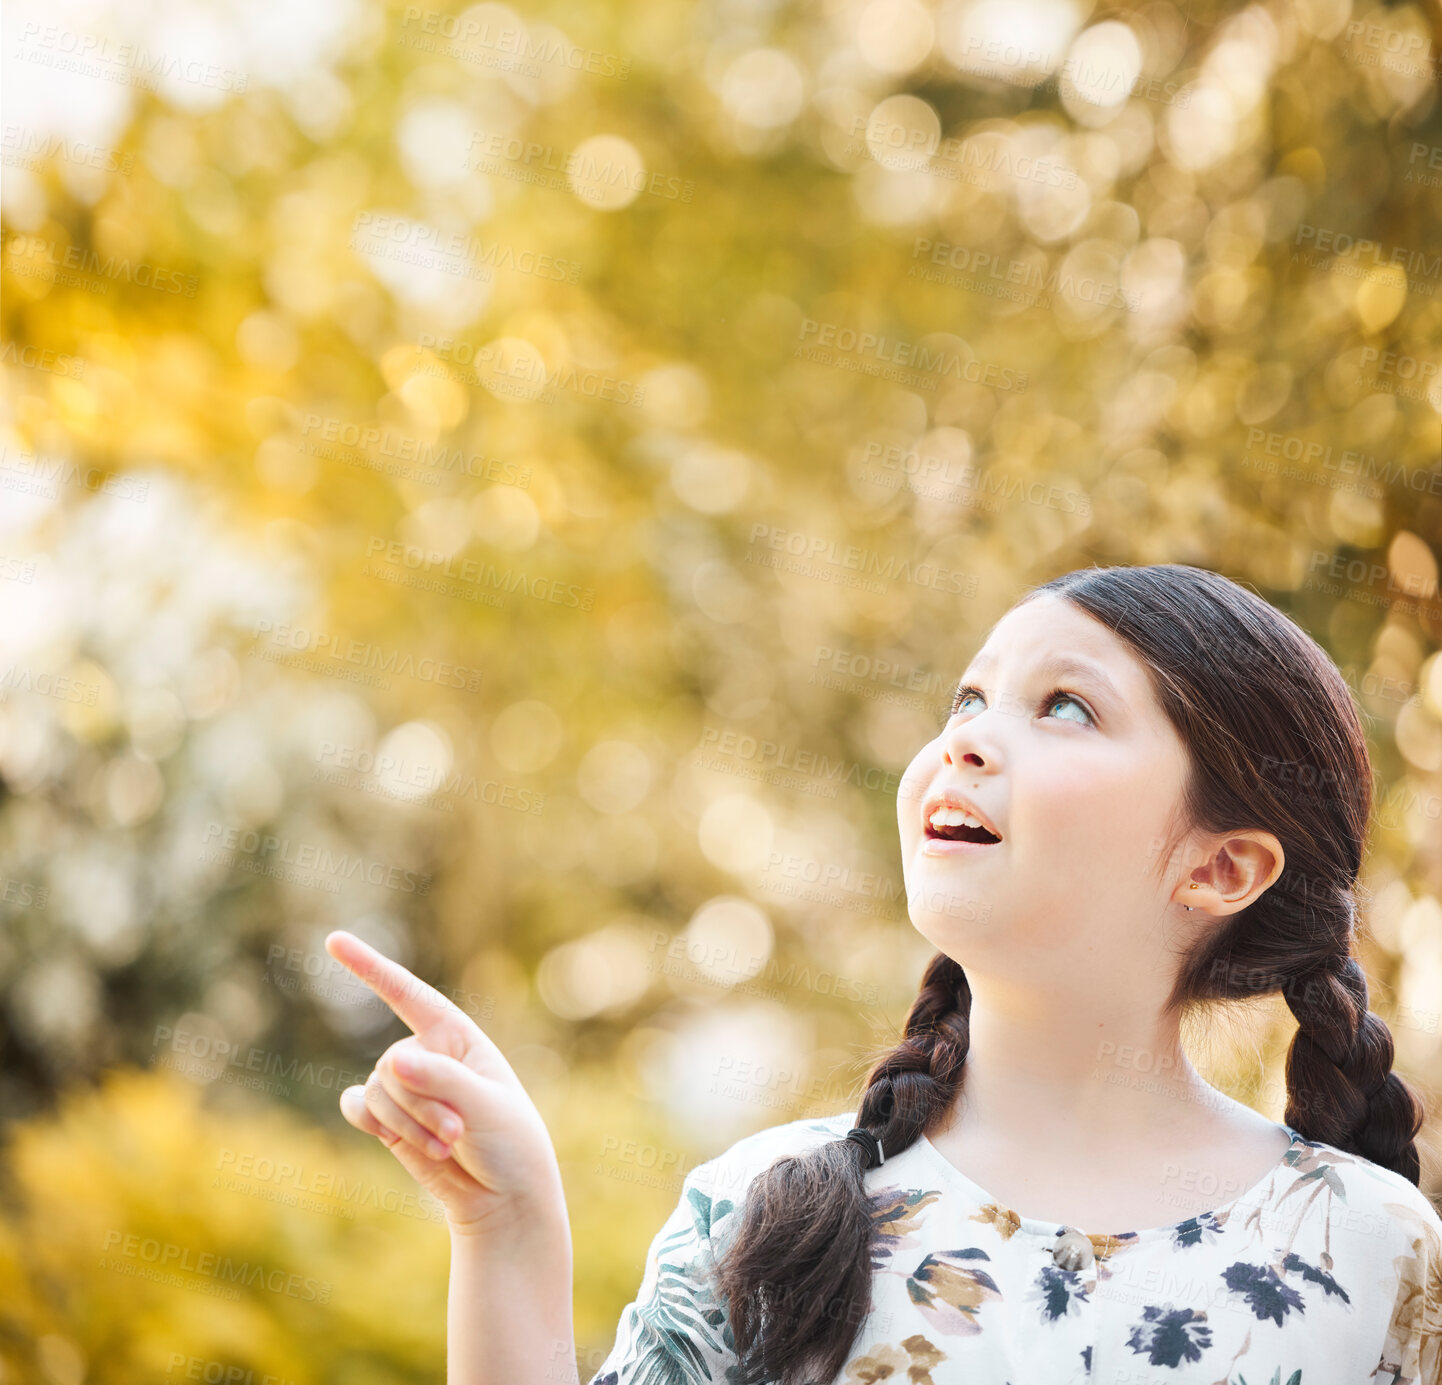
153 1230
520 486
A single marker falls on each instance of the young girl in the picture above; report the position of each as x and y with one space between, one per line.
1151 795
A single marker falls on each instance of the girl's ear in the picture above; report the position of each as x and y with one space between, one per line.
1242 866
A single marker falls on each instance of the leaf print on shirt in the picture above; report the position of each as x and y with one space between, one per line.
1059 1292
1315 1165
949 1289
1203 1229
679 1316
1412 1351
1262 1287
704 1213
1313 1171
896 1221
911 1363
1168 1336
1313 1275
679 1322
1006 1222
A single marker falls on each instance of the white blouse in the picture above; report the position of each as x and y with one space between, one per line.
1327 1272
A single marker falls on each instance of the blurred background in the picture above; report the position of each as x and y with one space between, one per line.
521 484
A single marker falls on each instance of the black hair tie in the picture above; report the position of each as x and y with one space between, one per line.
874 1154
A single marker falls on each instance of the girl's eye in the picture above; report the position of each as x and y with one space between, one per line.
964 695
1065 697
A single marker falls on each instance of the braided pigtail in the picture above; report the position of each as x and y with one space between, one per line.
797 1276
1340 1085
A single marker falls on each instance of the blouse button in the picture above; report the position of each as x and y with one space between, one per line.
1073 1250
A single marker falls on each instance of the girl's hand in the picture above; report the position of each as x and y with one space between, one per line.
449 1107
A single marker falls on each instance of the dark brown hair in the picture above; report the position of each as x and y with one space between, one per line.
1275 742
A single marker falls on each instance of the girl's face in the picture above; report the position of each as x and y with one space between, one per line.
1058 741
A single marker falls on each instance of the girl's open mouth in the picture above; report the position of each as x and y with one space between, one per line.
977 836
958 823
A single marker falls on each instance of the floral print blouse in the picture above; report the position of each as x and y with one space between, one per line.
1328 1272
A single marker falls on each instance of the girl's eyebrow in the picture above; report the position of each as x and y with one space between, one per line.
1059 664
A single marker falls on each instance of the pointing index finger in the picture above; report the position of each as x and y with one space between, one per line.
422 1007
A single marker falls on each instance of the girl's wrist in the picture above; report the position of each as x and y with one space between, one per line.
536 1223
